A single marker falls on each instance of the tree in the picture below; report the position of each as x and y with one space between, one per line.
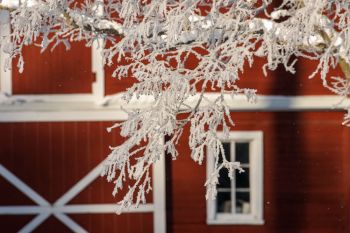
159 37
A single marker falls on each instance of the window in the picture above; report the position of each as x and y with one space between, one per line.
54 78
239 201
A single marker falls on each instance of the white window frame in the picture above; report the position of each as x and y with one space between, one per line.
97 68
255 139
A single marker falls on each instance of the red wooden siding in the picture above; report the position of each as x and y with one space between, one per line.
278 82
52 157
306 177
68 72
57 72
115 85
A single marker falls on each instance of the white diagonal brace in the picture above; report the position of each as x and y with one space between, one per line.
29 227
78 187
24 188
75 227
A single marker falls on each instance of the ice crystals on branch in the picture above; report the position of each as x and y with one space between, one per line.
178 50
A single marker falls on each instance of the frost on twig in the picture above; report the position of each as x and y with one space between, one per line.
177 49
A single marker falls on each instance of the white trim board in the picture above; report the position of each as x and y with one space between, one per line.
18 110
159 195
5 75
73 209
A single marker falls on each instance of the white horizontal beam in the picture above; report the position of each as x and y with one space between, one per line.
277 103
102 208
23 210
73 209
90 111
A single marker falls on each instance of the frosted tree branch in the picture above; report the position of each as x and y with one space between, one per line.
175 49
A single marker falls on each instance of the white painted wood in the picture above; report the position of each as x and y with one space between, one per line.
23 210
258 177
34 223
233 182
98 87
81 185
230 221
159 195
255 139
75 209
18 111
26 190
59 209
240 103
210 204
21 186
75 227
5 74
101 208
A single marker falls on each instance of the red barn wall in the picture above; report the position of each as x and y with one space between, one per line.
59 72
306 177
306 164
51 158
277 82
69 72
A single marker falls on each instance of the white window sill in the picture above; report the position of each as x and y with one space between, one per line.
236 220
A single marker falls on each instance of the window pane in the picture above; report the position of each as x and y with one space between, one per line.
227 149
242 152
223 202
242 179
224 180
243 202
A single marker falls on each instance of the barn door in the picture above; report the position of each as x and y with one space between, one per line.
50 181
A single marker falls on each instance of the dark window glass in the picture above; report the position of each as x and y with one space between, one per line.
243 202
242 179
242 152
223 202
242 183
227 149
224 180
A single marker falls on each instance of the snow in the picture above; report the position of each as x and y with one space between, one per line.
4 17
14 3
